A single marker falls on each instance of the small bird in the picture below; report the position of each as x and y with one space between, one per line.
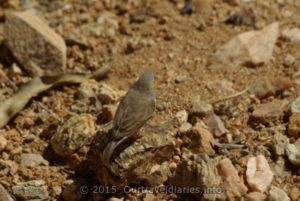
134 110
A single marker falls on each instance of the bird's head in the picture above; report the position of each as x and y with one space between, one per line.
145 81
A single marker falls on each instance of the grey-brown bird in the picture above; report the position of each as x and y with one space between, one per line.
134 110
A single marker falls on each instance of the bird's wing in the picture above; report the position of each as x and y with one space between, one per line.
133 112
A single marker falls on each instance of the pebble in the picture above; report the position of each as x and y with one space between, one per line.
292 35
35 189
294 193
180 79
185 127
73 134
34 44
203 140
3 143
4 195
33 160
232 183
216 125
182 116
276 194
87 89
294 125
269 112
202 109
256 196
279 143
251 48
293 153
289 60
295 106
259 174
107 94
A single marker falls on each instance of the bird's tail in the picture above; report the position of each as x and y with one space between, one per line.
110 148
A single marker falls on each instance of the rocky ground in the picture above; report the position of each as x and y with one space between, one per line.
227 86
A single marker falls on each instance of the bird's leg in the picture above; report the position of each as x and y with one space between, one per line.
138 134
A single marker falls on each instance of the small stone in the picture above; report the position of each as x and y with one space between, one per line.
289 60
233 185
180 79
87 89
3 143
269 112
32 160
185 127
4 195
256 196
259 174
293 153
294 125
35 45
216 125
295 194
107 94
276 194
250 48
75 132
35 189
279 143
295 106
202 109
270 86
182 116
292 35
108 112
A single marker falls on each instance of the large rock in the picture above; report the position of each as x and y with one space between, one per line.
35 45
252 47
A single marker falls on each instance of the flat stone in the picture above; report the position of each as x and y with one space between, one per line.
252 47
269 112
232 183
31 190
34 44
216 125
259 174
32 160
269 86
202 109
276 194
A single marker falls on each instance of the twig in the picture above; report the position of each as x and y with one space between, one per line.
230 96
